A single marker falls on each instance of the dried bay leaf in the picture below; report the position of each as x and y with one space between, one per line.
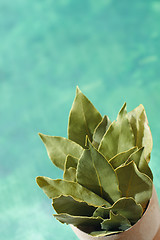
116 222
70 162
121 158
141 163
124 206
70 174
133 183
58 148
83 119
100 131
70 168
67 204
79 220
95 173
86 173
119 136
55 188
139 123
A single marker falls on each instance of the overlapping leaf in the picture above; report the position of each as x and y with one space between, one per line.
83 119
58 148
107 181
133 183
70 162
127 207
119 137
141 163
95 173
116 222
55 188
100 130
67 204
121 158
70 166
70 174
139 123
94 222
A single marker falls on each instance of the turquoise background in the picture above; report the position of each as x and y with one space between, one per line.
109 48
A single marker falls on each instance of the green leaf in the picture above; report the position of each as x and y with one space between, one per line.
79 220
123 112
121 158
86 173
67 204
70 168
115 223
70 162
58 148
83 119
133 183
124 206
70 174
55 188
141 163
141 130
100 131
96 174
119 137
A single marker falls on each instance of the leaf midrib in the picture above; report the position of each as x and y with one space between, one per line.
99 181
129 184
85 121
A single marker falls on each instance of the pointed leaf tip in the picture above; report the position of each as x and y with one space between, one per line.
122 111
77 90
40 134
100 130
58 148
124 105
118 138
83 119
142 133
41 181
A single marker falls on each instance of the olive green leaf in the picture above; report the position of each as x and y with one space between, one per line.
123 112
119 136
78 220
139 123
115 223
133 183
86 173
70 174
95 173
83 119
70 162
121 158
106 174
124 206
55 188
100 131
58 148
67 204
140 161
70 168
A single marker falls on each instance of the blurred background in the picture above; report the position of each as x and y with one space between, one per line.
109 48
